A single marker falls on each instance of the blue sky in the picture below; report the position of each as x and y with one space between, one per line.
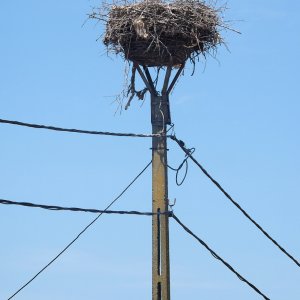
241 113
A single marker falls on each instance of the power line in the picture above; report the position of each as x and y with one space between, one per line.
81 232
76 130
77 209
189 154
215 255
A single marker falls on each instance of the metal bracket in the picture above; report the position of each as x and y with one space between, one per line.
175 79
161 115
146 77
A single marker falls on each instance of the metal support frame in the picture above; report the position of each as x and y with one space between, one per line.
146 77
175 79
160 118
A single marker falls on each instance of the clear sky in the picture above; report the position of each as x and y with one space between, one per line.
241 113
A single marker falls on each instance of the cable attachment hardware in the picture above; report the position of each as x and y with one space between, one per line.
171 128
171 205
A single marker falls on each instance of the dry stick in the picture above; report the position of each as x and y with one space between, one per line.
158 20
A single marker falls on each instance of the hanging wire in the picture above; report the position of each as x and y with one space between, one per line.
38 126
80 233
216 256
184 163
182 146
77 209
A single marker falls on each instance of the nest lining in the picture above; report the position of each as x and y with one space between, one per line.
158 33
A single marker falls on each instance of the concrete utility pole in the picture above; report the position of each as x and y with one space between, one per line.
160 223
160 118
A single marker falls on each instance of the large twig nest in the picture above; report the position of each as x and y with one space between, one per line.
160 33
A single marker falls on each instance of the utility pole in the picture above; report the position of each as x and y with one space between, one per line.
160 118
160 223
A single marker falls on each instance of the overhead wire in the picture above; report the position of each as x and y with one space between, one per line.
216 256
77 209
93 132
187 151
80 233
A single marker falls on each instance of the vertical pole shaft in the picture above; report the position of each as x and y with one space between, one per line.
160 223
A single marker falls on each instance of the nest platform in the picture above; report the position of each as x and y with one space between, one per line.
157 33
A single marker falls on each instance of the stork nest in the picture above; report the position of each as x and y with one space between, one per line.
160 33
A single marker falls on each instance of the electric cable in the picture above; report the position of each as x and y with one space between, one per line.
216 256
184 162
38 126
182 146
77 209
80 233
